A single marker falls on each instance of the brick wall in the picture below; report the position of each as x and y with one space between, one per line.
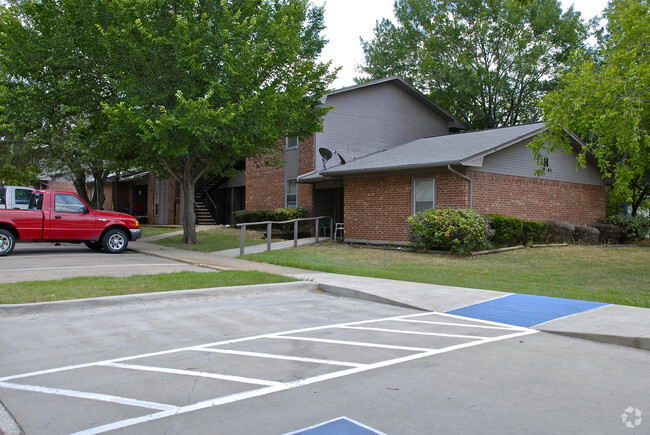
64 186
538 198
264 185
306 164
452 191
265 188
376 208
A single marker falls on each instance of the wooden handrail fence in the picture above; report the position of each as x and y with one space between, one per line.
269 225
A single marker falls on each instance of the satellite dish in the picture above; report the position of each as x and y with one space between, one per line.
326 155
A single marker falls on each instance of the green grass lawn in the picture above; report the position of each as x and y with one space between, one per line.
217 239
154 230
619 275
97 286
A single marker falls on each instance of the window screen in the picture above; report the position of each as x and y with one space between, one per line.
424 194
292 193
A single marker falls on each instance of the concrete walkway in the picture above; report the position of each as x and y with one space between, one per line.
622 325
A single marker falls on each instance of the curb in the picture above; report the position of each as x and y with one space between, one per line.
642 343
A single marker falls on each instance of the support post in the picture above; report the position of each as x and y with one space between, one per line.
242 240
268 236
317 231
295 234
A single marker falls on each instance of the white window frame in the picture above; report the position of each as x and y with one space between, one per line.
289 193
291 142
415 201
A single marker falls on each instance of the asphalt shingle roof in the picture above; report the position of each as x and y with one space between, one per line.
439 150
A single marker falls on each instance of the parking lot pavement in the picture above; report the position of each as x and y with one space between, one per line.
285 361
37 262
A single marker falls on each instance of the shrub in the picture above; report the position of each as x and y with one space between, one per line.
507 230
458 231
633 228
560 232
587 234
534 232
280 214
242 216
510 231
609 233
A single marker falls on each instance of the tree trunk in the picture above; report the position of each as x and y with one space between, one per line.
79 183
188 217
98 193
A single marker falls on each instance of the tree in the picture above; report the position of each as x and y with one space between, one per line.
487 61
53 88
205 84
605 99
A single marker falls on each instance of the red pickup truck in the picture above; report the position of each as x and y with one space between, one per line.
63 217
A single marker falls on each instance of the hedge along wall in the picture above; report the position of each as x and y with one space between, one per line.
537 198
376 208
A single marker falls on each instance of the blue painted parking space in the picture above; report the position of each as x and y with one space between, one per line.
525 310
339 426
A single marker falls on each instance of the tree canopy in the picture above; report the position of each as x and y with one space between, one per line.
605 99
486 61
183 88
203 85
52 88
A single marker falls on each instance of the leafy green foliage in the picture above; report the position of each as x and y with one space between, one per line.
459 231
507 230
604 98
278 215
487 61
534 232
634 228
511 231
52 86
203 85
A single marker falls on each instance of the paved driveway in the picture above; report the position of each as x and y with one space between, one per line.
37 262
288 360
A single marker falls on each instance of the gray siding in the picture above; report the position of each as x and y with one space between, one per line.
372 119
518 160
291 168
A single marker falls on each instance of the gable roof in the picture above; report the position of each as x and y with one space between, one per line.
453 122
466 149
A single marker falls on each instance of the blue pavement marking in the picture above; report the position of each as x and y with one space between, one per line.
339 426
525 310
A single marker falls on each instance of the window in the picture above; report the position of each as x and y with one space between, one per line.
292 143
22 196
68 204
424 194
292 193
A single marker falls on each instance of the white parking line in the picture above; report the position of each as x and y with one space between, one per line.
193 373
283 357
269 386
86 395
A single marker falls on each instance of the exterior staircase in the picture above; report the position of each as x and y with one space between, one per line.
203 189
203 216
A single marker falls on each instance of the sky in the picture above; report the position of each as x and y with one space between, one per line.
349 20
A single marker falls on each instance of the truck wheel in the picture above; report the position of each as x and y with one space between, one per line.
7 242
115 241
95 246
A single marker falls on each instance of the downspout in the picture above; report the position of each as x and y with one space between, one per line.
469 180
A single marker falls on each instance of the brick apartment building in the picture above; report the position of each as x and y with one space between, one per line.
394 152
385 152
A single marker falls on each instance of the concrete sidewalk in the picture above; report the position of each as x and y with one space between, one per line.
616 324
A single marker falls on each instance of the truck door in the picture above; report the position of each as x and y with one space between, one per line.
70 219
